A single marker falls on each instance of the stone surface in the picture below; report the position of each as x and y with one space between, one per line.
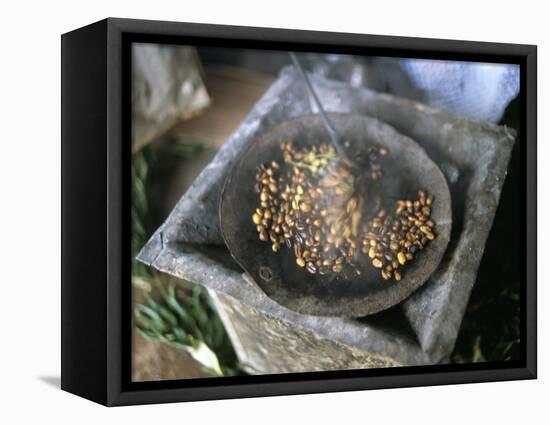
270 345
166 87
156 361
421 330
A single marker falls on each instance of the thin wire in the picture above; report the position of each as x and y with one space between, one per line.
334 137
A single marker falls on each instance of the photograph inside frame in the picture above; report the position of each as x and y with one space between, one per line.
304 212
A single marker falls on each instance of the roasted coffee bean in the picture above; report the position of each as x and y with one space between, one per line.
401 258
310 267
264 196
256 218
426 229
337 268
372 252
294 212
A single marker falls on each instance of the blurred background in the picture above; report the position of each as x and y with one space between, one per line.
186 101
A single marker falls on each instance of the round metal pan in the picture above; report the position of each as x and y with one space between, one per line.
407 169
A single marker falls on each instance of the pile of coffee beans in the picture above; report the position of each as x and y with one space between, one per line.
312 208
392 240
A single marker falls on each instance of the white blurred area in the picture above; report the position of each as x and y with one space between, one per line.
474 90
479 91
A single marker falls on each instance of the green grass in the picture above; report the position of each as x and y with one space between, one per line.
174 311
187 320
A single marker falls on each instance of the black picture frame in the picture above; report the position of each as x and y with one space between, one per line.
96 308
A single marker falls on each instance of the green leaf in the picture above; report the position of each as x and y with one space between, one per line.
151 318
181 336
162 311
186 319
477 354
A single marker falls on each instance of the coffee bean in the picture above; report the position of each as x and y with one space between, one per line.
311 268
337 268
294 212
401 258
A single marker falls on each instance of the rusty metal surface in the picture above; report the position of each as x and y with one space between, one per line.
473 157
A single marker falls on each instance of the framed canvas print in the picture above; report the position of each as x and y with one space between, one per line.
251 212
